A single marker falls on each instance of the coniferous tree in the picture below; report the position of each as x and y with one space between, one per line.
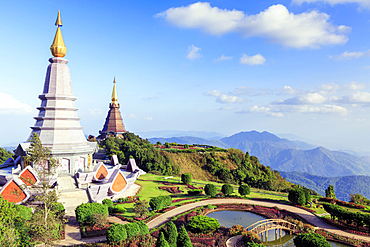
171 234
183 239
329 192
161 241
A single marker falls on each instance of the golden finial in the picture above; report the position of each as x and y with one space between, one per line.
114 94
58 49
58 22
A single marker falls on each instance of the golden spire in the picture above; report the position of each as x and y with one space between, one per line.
58 49
114 94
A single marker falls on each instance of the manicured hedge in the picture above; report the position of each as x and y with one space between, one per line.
132 229
160 202
143 228
119 208
244 189
85 211
227 189
210 190
186 178
202 224
116 232
310 239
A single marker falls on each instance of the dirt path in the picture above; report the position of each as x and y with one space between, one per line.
313 219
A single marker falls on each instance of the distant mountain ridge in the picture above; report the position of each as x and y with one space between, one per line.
343 186
284 155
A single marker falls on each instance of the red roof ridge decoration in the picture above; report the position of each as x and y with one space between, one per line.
29 176
15 191
101 172
118 182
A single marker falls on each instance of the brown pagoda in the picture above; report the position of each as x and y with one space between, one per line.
113 125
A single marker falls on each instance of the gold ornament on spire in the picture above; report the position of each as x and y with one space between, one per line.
58 49
114 94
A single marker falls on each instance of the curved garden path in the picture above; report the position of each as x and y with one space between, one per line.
310 217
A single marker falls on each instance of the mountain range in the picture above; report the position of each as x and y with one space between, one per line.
285 155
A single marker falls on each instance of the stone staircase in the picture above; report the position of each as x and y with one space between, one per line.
70 195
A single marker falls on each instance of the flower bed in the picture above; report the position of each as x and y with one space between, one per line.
348 228
173 190
93 231
183 199
342 203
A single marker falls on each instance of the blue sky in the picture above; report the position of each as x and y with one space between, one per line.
297 66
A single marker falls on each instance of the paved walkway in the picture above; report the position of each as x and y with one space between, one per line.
313 219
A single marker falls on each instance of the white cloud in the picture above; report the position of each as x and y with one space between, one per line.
351 55
95 112
193 52
9 105
329 87
335 109
364 3
307 98
355 86
148 118
310 29
358 97
132 115
262 109
288 90
222 58
257 59
223 98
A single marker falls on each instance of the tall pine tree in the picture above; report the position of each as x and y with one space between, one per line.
183 239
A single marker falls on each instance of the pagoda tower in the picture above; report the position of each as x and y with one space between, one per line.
113 125
57 123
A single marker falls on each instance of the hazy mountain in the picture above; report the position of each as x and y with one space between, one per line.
178 133
284 155
343 186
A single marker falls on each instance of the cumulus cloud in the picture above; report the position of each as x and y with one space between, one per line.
222 58
148 118
263 110
363 3
276 23
193 52
329 87
288 90
224 98
9 105
257 59
355 86
307 98
335 109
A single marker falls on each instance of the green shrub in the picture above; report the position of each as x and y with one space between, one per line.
108 202
132 229
186 178
202 224
227 189
195 192
161 241
171 234
119 209
25 213
297 196
116 232
210 190
183 239
143 227
160 202
244 189
85 211
310 239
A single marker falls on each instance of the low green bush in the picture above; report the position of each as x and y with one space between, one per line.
143 227
310 239
244 189
202 224
85 211
160 202
108 202
116 232
210 190
119 209
195 192
227 189
132 229
186 178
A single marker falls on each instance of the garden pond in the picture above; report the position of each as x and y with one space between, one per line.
229 218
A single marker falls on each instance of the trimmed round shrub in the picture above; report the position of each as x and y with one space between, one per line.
186 178
310 239
210 190
108 202
160 202
227 189
143 227
118 209
85 211
244 189
132 229
116 232
202 224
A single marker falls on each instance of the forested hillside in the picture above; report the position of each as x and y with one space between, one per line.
231 165
343 186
